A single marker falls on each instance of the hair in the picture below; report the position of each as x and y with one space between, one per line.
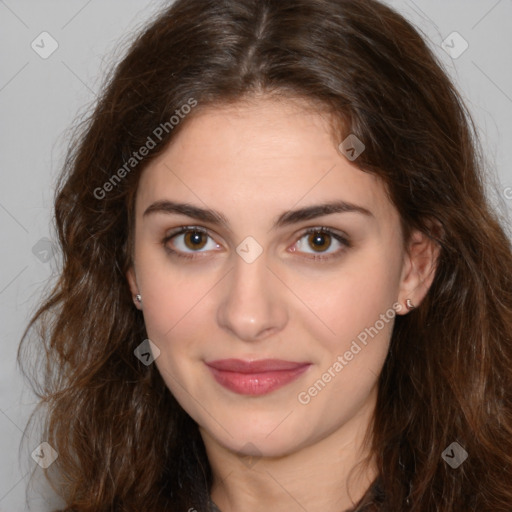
124 443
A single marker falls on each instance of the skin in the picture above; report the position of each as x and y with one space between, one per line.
251 161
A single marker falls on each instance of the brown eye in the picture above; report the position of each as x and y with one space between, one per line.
195 239
189 242
319 241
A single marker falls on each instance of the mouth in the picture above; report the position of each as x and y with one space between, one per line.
255 377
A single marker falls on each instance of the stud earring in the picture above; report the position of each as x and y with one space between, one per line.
410 305
138 297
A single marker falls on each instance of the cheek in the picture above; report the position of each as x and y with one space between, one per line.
360 316
166 303
176 321
171 292
348 303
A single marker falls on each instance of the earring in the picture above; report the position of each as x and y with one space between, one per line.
138 297
410 305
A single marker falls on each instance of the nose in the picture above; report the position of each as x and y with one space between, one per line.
252 306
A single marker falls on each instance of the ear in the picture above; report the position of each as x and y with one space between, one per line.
419 267
132 282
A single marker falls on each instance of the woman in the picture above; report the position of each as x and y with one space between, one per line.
283 287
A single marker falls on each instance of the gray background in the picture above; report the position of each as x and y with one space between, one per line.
40 99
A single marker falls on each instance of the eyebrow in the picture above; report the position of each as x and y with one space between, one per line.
285 219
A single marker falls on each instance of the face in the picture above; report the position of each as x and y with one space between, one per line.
316 290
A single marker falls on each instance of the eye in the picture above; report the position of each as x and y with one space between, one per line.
321 239
190 239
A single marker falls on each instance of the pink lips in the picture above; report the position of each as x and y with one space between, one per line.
255 377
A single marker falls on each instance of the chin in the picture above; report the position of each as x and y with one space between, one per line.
251 441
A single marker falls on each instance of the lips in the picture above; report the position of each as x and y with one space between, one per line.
255 377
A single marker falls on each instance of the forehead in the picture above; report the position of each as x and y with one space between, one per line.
262 157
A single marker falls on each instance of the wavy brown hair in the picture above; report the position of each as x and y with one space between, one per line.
124 443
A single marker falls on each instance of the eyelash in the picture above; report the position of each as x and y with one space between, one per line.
320 230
